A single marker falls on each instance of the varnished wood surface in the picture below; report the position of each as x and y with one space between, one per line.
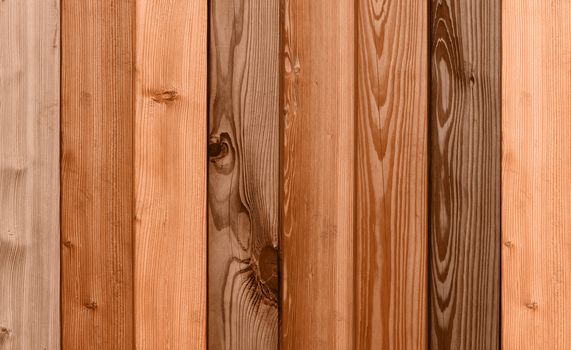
465 174
536 173
96 175
243 174
29 175
170 174
317 167
391 175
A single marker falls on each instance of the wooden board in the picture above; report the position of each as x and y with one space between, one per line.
97 175
170 174
317 167
29 175
536 168
243 164
391 175
465 175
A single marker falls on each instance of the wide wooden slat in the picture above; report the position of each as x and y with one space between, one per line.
391 175
536 173
96 175
29 175
317 166
170 174
243 174
465 175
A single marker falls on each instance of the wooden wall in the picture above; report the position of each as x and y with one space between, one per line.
536 194
29 174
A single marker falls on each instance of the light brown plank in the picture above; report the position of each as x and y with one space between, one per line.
170 174
391 175
29 175
536 173
96 175
243 174
317 166
465 159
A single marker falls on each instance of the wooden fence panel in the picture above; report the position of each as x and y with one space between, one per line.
29 175
97 174
243 174
170 174
465 175
536 173
391 175
317 165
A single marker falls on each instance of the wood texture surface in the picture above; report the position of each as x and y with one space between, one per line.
317 169
243 150
465 174
29 175
536 168
97 175
170 174
391 175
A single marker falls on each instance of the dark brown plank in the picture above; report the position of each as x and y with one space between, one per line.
465 175
391 175
97 174
243 174
317 167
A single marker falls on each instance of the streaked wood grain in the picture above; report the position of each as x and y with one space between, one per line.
317 167
96 175
243 174
536 168
391 175
29 174
465 174
170 174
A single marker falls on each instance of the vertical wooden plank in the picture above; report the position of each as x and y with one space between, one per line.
29 175
243 174
97 174
536 168
317 174
170 174
391 175
465 174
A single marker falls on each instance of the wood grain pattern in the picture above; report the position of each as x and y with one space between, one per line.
29 175
391 175
243 174
317 167
465 175
536 168
97 175
170 174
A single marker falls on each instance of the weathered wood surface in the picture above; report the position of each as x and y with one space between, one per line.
29 175
243 150
170 174
465 160
391 175
317 167
536 169
97 174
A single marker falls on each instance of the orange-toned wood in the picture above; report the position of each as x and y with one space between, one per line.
170 174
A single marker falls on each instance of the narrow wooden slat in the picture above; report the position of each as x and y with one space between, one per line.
536 173
391 175
170 174
29 175
243 174
317 166
465 175
96 175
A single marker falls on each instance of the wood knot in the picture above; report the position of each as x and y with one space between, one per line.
218 146
269 268
68 244
165 96
508 244
92 305
531 305
4 334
